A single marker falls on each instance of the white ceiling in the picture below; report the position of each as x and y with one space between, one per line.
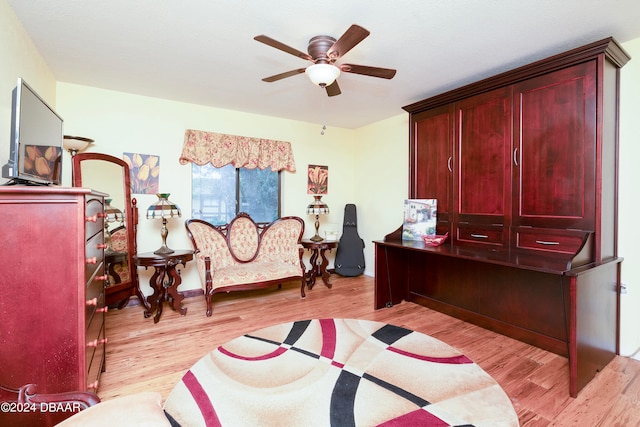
203 52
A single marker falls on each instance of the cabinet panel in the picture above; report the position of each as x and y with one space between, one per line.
555 139
483 152
431 160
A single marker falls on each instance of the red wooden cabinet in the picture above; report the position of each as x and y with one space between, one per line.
524 167
52 280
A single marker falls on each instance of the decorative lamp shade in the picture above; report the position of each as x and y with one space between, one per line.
163 208
112 214
317 207
75 144
322 74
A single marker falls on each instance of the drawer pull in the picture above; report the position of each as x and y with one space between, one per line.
92 218
92 301
546 243
105 277
96 342
92 260
92 386
102 309
479 236
101 246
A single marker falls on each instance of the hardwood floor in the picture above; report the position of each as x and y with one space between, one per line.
145 356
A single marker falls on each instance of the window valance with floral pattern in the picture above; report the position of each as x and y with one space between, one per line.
202 147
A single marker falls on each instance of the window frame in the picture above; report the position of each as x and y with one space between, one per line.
237 175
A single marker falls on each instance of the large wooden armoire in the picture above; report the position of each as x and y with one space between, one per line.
52 278
524 166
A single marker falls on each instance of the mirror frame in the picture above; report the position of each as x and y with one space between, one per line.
117 295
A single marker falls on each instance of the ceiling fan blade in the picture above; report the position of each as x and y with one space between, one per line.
283 75
333 89
283 47
354 35
383 73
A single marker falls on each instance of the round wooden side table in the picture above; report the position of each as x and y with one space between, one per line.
318 249
165 280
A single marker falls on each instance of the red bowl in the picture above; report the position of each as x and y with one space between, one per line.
435 240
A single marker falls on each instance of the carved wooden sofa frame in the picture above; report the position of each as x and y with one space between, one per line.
244 255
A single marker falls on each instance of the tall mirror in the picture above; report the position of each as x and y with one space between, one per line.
110 175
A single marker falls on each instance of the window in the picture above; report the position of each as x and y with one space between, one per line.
218 194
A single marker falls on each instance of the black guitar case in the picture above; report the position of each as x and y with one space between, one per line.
350 254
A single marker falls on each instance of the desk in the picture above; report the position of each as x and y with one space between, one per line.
541 300
318 269
165 280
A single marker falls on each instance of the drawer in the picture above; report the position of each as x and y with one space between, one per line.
94 301
94 256
93 335
552 241
94 216
490 235
95 363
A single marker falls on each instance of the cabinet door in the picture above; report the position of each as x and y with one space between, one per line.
554 161
482 178
431 160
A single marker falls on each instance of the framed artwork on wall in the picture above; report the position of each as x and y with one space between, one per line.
318 179
145 172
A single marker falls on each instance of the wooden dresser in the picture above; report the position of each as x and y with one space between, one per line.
52 279
524 167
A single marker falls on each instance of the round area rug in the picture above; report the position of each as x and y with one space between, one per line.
337 372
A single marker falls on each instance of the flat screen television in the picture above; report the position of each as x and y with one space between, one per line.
35 155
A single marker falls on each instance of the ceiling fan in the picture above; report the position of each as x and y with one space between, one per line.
324 51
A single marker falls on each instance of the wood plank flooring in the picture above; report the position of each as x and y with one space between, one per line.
145 356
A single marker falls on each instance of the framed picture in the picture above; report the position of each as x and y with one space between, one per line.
420 217
318 179
144 170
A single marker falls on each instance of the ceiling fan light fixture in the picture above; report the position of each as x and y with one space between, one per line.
322 74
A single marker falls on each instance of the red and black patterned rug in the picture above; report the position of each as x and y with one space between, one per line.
337 372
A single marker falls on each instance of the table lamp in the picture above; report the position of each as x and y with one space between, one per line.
163 209
317 208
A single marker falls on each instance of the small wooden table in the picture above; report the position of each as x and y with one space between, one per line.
165 280
318 269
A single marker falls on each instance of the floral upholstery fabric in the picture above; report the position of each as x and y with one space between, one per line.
279 242
122 270
254 272
243 238
119 239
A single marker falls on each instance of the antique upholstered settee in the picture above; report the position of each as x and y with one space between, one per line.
246 255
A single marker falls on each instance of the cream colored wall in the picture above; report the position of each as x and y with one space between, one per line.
381 181
121 122
18 58
628 199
